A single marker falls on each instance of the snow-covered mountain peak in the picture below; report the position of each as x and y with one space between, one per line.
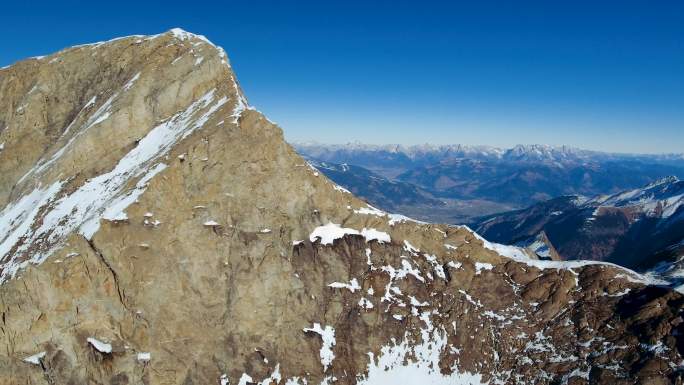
665 193
668 180
185 35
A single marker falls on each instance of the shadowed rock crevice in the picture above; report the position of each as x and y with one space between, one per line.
115 278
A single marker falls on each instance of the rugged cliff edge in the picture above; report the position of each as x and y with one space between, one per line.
155 229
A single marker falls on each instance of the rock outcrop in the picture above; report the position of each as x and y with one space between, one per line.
156 229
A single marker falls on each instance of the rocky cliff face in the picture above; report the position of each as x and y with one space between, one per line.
155 229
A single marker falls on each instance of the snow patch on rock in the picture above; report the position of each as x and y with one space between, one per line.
327 334
332 231
35 359
100 346
352 286
375 235
406 363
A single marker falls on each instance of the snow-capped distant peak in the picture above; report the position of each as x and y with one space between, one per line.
663 181
662 198
557 155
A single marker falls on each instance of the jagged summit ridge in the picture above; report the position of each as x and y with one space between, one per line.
183 241
177 33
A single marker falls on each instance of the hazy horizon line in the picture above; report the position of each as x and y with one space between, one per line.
413 145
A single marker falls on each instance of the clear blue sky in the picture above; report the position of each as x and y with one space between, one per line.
606 75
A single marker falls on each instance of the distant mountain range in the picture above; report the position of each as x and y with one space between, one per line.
396 155
641 228
471 181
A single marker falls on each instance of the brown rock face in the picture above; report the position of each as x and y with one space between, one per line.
157 230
